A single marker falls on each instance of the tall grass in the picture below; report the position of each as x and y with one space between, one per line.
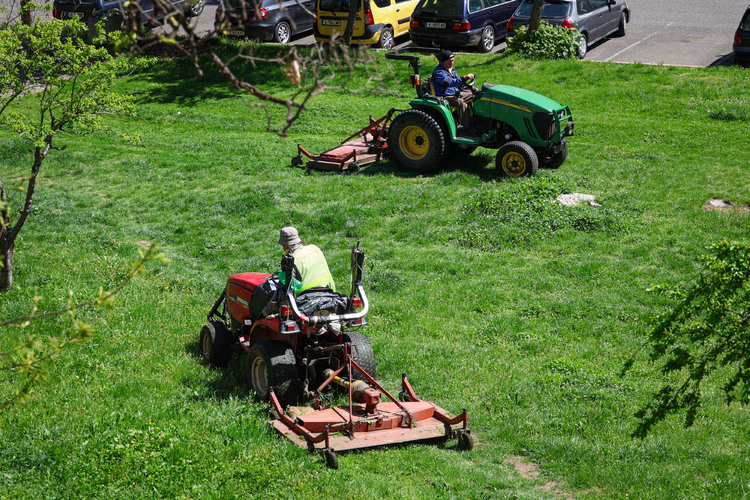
489 296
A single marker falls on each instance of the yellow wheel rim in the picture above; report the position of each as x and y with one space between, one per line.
413 142
514 164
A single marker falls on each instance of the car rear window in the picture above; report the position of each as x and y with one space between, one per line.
550 10
444 7
334 5
745 24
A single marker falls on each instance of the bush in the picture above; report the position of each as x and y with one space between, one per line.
547 42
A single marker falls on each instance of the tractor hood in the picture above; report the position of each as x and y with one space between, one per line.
516 98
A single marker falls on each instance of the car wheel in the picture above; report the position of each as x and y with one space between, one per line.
282 33
215 342
196 9
386 38
488 39
621 28
583 45
516 159
416 141
272 365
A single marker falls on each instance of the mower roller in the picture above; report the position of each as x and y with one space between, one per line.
309 349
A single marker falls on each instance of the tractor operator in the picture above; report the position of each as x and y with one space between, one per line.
310 267
448 84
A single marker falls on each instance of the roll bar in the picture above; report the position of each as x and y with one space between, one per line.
357 262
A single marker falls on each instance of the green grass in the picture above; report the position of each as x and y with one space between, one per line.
489 297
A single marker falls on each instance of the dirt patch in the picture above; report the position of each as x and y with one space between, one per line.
721 205
529 470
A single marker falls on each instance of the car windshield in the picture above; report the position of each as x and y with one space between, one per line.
550 10
444 7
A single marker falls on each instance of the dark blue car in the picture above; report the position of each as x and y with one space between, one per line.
460 23
741 45
115 12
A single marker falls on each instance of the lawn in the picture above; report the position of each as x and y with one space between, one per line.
486 294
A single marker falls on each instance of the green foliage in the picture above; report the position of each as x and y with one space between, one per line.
70 80
547 42
527 211
706 334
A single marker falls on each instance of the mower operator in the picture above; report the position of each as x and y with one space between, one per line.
310 267
448 84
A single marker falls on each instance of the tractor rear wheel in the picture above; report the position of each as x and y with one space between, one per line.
416 141
516 159
215 342
272 365
362 354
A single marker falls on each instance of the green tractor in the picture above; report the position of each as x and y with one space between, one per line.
527 128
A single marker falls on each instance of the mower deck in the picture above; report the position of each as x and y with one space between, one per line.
369 147
358 426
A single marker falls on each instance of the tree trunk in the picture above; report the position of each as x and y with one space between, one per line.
6 265
25 13
349 31
536 15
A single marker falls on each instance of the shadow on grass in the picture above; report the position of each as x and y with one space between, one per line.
178 80
230 382
480 165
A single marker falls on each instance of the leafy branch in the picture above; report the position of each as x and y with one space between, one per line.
707 330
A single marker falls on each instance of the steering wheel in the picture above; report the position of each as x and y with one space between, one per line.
467 84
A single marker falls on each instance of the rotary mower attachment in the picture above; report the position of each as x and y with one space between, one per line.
367 421
368 147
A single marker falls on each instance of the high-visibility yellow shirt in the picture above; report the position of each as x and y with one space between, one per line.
313 268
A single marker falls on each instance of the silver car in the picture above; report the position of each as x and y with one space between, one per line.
594 19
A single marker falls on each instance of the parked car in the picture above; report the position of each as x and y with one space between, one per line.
741 47
113 12
594 19
273 21
460 23
378 22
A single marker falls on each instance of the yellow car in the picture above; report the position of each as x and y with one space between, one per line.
378 22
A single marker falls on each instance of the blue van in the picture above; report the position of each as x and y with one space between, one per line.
461 23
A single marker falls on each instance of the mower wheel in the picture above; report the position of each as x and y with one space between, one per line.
362 354
558 158
416 141
465 441
516 159
215 342
332 461
272 364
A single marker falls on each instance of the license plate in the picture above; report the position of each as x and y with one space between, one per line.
434 25
331 22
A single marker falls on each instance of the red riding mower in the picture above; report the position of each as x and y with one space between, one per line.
308 347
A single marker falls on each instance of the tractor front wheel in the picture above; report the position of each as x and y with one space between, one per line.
272 365
215 342
516 159
416 141
559 157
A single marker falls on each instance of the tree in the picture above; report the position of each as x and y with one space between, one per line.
707 331
536 15
69 84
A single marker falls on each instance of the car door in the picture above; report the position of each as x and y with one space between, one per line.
500 12
587 21
404 9
602 18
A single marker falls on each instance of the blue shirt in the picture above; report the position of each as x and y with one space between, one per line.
446 82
